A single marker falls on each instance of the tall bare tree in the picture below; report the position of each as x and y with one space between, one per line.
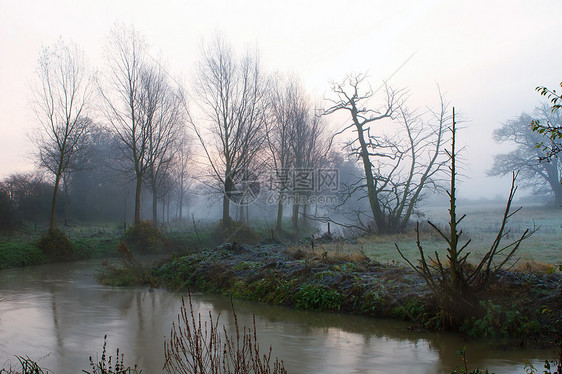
397 168
181 173
286 107
123 104
61 105
161 108
231 92
295 142
309 148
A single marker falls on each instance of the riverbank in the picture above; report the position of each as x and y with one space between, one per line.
20 248
526 306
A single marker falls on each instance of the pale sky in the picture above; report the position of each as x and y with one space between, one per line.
487 56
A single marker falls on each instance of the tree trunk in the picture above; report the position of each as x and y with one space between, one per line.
54 203
279 222
154 207
225 209
180 208
304 215
138 188
378 215
167 210
242 213
228 187
295 217
65 201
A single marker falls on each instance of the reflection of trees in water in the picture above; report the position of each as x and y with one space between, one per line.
294 333
78 313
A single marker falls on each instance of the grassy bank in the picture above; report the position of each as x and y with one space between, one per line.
100 240
523 305
21 248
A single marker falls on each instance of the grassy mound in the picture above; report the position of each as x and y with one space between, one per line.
232 231
143 237
56 245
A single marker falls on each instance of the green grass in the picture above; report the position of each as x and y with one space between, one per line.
19 248
20 253
480 225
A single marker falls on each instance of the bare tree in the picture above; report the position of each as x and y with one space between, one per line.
454 284
232 95
161 107
61 105
181 173
397 168
286 108
295 143
537 170
309 148
123 104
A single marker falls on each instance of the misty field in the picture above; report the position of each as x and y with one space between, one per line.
480 225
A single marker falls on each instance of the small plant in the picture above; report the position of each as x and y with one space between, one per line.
195 347
462 368
409 310
317 297
57 246
105 365
233 231
128 272
454 282
28 366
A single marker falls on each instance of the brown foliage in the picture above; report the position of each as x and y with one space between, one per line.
197 347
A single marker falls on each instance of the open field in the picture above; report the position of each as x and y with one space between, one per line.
480 226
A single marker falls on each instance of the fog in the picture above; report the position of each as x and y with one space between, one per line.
487 57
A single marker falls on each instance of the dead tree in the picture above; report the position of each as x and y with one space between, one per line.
454 284
397 168
61 104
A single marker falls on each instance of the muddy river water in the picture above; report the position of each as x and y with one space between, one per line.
58 314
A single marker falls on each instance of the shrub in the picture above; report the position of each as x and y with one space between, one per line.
105 365
317 297
232 231
145 238
195 346
57 246
8 219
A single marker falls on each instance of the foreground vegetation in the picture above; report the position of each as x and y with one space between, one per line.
194 347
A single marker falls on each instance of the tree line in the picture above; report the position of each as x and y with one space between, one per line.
131 132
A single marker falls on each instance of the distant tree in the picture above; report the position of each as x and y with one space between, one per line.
98 191
537 170
142 109
552 131
8 217
231 93
180 171
61 104
29 195
284 106
309 146
397 168
161 106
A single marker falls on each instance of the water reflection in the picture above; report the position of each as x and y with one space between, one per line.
60 311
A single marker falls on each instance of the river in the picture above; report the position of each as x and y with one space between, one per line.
58 314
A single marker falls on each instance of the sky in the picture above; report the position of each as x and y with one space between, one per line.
486 56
